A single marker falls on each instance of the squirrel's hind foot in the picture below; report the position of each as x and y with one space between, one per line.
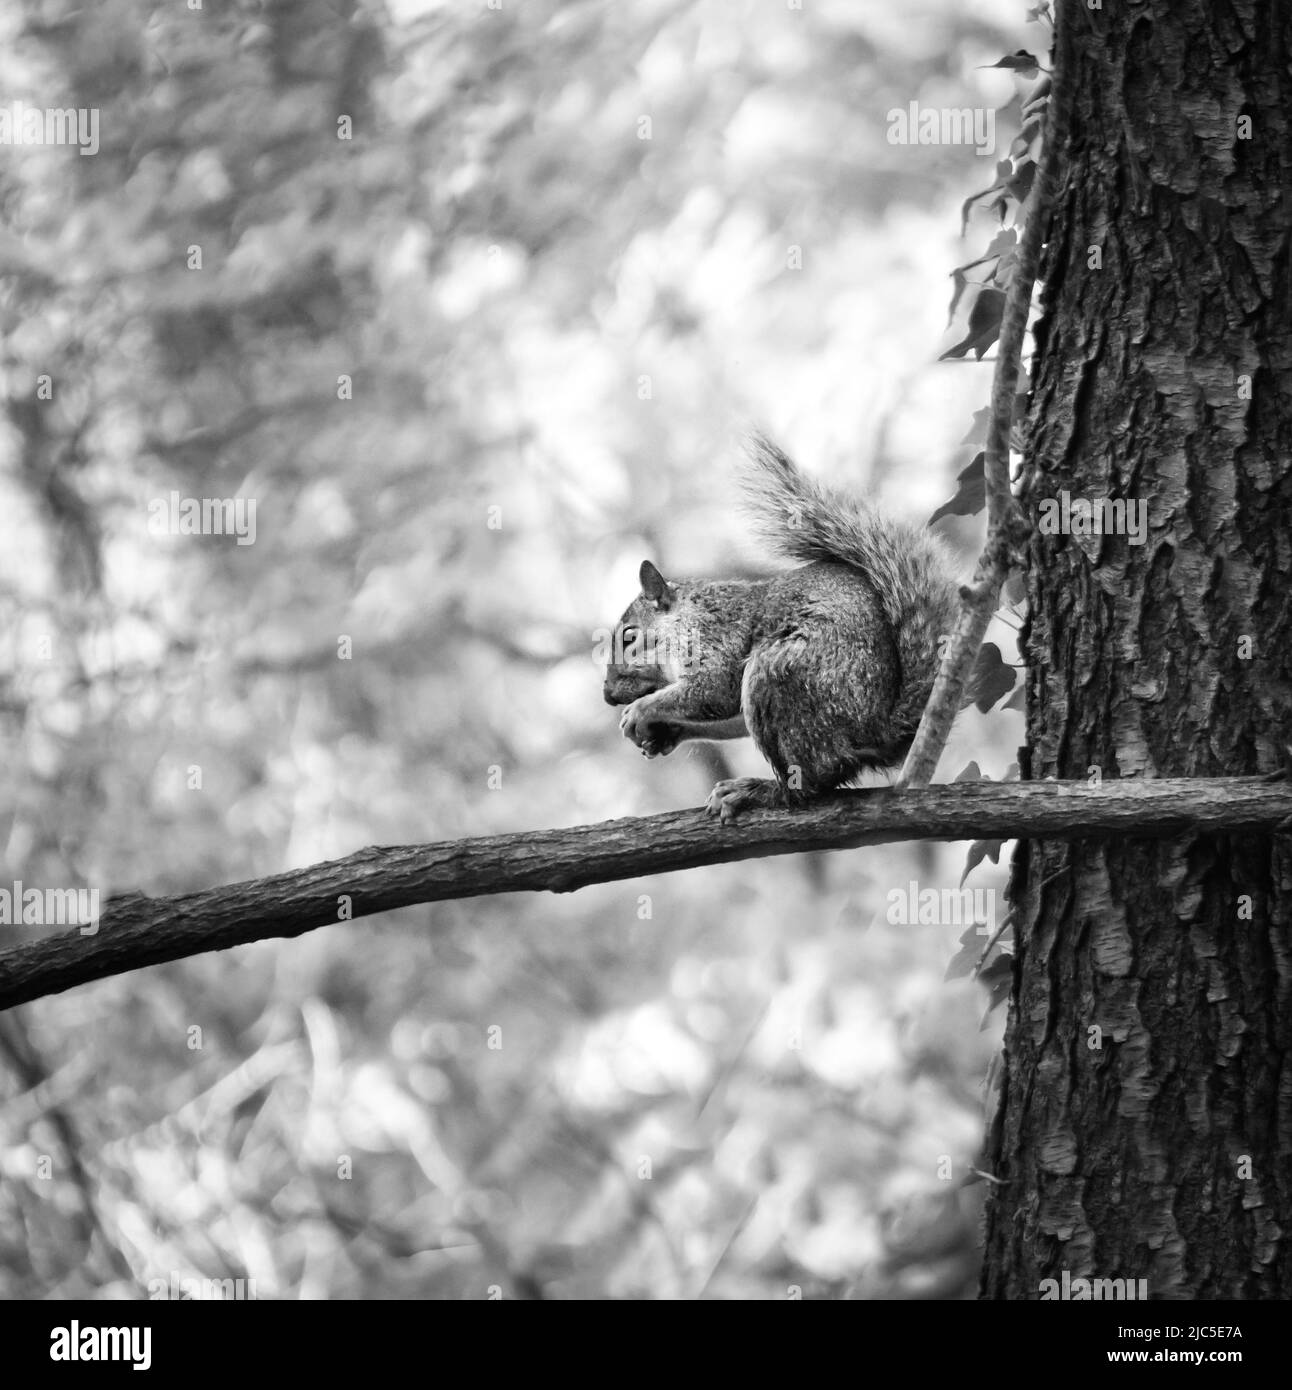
737 794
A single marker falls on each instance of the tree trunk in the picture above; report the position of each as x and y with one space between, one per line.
1145 1120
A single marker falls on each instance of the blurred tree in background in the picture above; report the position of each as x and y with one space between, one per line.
474 302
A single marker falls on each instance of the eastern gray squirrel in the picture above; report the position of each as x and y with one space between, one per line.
828 666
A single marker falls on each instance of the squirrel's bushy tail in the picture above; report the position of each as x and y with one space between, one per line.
908 568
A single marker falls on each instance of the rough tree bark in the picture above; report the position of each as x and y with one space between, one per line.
1145 1120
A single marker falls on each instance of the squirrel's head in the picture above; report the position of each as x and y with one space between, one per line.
648 650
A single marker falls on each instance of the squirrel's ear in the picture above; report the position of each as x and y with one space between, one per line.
654 585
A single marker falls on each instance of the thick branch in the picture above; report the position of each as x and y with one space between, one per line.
138 931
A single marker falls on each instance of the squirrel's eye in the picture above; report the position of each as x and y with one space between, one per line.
629 634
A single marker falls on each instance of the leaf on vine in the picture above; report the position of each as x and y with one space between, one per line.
1020 185
967 206
1021 62
984 324
978 851
1002 244
970 494
1004 169
961 965
992 677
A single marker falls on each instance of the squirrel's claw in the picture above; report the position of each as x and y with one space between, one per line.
736 794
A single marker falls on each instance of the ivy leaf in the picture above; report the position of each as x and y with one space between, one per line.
961 965
1020 185
970 495
1003 244
1004 169
1004 240
978 851
1021 62
992 677
984 324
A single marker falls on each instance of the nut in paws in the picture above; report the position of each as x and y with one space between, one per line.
654 738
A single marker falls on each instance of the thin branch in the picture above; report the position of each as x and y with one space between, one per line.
136 931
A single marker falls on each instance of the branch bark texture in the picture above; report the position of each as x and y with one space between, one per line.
138 931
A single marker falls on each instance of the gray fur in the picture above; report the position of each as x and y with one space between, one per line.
907 568
828 666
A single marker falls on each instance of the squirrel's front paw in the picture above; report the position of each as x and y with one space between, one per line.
654 738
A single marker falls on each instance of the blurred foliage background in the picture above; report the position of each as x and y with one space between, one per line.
568 254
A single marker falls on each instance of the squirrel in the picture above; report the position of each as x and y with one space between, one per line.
828 666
